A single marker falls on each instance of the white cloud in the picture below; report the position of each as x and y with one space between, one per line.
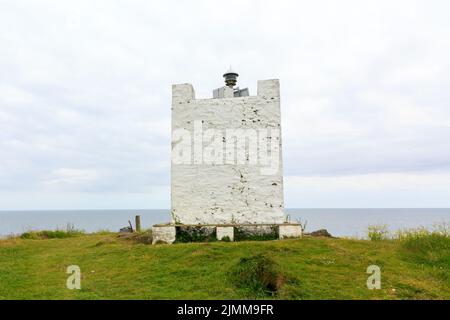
10 95
85 86
72 178
385 190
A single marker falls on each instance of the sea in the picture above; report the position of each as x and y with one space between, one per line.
339 222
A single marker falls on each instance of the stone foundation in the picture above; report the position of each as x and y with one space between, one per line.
164 234
222 232
289 231
196 233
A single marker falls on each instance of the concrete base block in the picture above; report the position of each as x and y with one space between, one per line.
168 233
222 232
290 231
164 234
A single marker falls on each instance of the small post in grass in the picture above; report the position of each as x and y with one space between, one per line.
138 223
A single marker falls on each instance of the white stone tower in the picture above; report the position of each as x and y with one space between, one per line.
226 156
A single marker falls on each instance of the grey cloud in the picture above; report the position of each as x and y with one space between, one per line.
85 86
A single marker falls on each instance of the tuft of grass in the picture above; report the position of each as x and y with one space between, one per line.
422 246
53 234
381 232
378 232
442 228
428 247
432 251
258 275
434 248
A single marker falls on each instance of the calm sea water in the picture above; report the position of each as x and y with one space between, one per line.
339 222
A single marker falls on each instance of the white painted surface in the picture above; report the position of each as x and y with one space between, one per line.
222 232
290 231
164 234
226 193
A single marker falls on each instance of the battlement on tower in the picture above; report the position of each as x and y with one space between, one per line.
265 89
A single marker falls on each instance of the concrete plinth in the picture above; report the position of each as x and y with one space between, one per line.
290 231
168 233
163 234
222 232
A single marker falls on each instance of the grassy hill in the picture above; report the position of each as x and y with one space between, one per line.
308 268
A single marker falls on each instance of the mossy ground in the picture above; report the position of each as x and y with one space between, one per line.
317 268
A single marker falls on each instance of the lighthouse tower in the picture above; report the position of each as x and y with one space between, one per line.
227 170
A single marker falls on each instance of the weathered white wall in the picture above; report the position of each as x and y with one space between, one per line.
227 193
290 231
164 234
222 232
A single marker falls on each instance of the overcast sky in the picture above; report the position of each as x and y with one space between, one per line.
85 94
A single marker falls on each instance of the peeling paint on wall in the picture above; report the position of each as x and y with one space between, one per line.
227 192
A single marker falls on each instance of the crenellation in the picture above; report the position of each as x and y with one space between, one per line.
269 89
182 93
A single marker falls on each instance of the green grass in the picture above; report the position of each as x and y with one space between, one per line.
430 250
53 234
309 268
378 232
259 275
